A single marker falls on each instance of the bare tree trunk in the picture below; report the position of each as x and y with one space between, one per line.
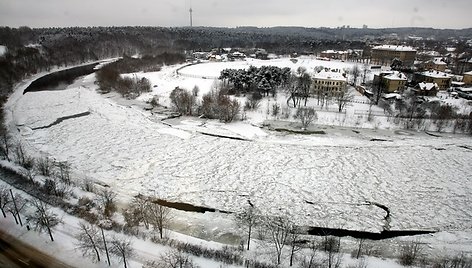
16 208
359 249
249 236
106 249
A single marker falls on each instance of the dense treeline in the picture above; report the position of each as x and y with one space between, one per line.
264 80
146 63
109 78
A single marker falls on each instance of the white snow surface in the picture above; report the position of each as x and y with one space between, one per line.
213 69
316 180
3 50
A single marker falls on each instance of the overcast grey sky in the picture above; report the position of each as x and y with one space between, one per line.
231 13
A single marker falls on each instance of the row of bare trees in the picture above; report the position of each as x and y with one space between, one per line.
92 242
281 233
39 214
149 212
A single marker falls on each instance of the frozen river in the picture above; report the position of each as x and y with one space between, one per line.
322 180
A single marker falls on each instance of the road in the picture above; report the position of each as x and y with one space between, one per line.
14 253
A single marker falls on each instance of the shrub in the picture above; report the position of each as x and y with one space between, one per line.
253 101
216 105
459 261
410 252
44 166
182 101
87 185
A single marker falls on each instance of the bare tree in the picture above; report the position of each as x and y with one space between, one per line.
122 248
294 91
44 219
16 206
64 172
4 199
195 91
355 72
44 166
106 198
21 158
332 245
304 83
89 241
217 105
410 252
278 229
311 261
442 114
306 115
360 247
343 97
253 101
248 218
5 142
378 88
182 100
365 69
172 259
105 247
294 241
139 207
159 216
29 173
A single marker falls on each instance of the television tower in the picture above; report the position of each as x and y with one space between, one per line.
190 11
191 23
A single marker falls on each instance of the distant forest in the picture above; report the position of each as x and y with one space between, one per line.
34 50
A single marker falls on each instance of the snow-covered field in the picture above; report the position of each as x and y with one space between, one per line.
317 180
213 69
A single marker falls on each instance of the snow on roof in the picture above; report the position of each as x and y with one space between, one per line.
33 45
439 61
436 74
238 54
392 95
431 53
427 86
468 73
3 50
330 75
455 83
394 48
330 51
396 76
467 89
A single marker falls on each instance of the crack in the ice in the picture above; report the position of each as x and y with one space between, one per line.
61 119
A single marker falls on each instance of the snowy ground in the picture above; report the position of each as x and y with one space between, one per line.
317 180
3 50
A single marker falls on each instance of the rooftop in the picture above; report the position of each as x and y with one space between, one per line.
427 86
330 75
396 76
394 48
439 61
436 74
330 51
